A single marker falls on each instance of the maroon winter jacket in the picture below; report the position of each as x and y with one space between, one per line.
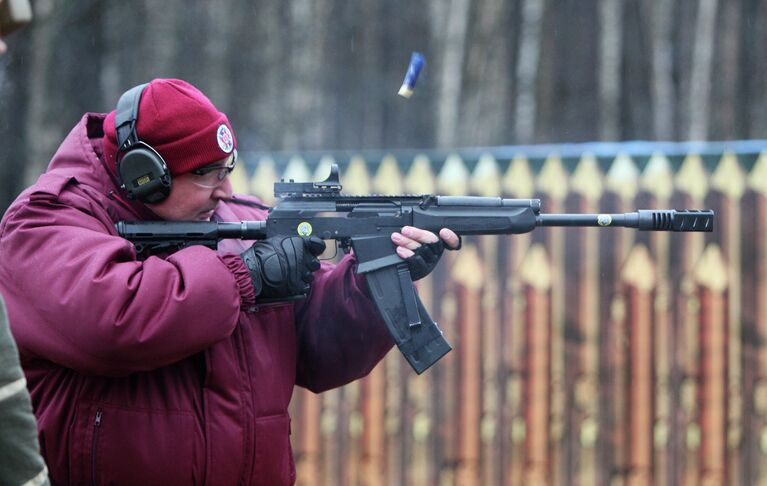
163 371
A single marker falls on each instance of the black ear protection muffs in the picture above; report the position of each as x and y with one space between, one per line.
143 173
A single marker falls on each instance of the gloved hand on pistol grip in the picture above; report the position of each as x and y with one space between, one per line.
422 249
283 266
425 259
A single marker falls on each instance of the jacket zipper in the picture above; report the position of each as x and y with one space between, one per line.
96 426
249 449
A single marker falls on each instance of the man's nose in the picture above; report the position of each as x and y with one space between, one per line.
224 191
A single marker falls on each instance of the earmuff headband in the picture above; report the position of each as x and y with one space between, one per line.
126 116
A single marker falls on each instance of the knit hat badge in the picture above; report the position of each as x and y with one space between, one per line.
225 139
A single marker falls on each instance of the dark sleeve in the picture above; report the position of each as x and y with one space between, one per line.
20 459
341 337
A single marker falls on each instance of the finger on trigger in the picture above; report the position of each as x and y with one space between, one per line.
449 237
404 241
420 235
410 244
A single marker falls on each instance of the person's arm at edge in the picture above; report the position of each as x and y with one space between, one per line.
20 459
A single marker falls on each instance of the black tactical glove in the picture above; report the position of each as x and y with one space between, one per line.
426 257
282 266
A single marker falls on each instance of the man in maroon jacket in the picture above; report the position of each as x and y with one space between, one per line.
167 370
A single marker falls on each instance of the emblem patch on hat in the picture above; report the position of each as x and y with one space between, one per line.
225 139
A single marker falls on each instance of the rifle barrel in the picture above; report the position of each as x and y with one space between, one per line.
192 230
244 230
644 220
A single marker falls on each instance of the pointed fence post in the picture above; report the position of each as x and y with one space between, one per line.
730 180
692 181
586 183
486 181
668 431
353 430
638 276
331 442
536 276
308 438
467 275
712 279
470 276
757 459
622 180
373 449
518 182
552 182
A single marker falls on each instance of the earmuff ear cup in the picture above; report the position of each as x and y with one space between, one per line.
144 174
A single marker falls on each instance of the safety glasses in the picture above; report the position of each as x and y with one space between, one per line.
212 176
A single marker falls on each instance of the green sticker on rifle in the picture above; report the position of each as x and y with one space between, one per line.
604 220
304 229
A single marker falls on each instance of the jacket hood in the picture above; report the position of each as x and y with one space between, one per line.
80 155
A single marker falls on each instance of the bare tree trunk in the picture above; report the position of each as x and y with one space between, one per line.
159 36
700 82
303 99
662 72
114 77
755 103
258 76
368 51
611 20
13 118
727 119
220 16
451 75
527 70
46 130
486 84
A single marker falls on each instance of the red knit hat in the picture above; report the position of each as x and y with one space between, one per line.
180 123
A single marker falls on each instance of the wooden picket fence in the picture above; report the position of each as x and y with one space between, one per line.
581 356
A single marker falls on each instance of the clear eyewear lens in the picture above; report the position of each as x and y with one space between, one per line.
212 177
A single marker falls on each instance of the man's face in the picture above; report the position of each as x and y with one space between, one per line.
194 197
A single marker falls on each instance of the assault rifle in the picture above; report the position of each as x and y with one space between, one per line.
365 224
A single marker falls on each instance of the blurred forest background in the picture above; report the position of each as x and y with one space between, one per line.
581 357
323 74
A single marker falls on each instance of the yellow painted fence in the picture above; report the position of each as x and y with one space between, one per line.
581 356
